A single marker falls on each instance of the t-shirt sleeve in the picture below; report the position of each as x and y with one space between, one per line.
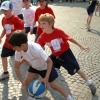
65 36
17 56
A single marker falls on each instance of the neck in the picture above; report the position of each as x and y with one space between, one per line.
50 31
9 16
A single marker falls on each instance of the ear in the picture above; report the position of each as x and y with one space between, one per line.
22 45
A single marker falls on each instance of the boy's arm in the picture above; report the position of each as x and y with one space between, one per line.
2 34
17 70
49 67
78 44
32 26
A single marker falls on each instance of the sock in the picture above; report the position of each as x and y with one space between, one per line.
6 72
69 98
88 82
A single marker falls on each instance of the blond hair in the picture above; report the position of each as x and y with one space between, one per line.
47 17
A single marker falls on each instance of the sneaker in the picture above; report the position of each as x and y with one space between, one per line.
4 76
30 98
92 88
88 28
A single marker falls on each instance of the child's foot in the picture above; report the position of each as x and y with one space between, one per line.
88 28
92 88
30 98
4 76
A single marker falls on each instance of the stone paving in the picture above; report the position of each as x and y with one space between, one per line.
71 17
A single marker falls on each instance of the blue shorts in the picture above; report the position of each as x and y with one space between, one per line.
42 73
66 60
7 52
27 30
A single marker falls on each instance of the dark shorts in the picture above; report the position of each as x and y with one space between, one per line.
90 11
36 37
27 30
20 16
52 77
7 52
66 60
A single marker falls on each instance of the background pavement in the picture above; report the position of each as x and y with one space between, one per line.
71 17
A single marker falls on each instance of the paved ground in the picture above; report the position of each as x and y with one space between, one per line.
70 17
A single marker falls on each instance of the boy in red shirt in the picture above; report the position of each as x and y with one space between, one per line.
42 9
10 23
57 41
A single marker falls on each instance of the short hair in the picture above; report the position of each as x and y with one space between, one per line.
17 38
47 17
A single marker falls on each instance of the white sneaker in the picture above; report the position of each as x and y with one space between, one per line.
4 76
30 98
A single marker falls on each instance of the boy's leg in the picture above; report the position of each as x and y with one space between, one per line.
5 74
61 90
69 62
4 54
36 37
54 84
28 79
89 83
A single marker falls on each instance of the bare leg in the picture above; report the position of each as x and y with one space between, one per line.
59 88
83 75
28 79
4 63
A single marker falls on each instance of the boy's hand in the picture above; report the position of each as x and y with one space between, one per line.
45 81
84 48
31 31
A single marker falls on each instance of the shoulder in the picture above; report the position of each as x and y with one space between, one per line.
34 46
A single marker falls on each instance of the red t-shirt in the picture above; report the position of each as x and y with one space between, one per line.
56 41
40 11
10 25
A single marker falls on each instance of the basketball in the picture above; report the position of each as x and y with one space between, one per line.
37 89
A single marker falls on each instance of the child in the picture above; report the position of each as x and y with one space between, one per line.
97 8
44 8
90 11
10 23
57 41
17 8
28 13
40 63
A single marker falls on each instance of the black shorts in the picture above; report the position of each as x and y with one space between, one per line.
42 73
27 30
90 11
66 60
20 16
7 52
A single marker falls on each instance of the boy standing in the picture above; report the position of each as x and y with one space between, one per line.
40 63
57 41
10 23
28 13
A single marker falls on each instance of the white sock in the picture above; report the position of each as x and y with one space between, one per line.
69 98
89 82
